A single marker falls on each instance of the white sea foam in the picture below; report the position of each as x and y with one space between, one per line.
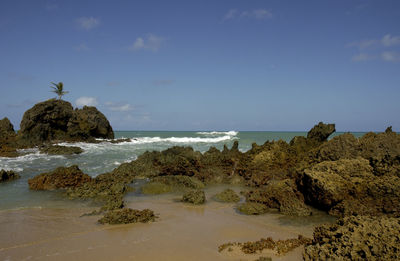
215 133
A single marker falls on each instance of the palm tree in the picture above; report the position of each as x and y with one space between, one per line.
58 89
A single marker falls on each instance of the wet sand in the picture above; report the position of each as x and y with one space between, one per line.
183 232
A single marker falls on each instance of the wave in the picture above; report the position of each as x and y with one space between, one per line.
215 133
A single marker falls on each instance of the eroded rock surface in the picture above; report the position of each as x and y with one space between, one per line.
127 215
62 177
8 175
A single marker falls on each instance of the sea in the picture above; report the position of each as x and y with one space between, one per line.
105 156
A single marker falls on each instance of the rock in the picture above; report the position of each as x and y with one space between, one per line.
179 182
252 208
281 195
60 150
228 195
127 215
321 132
196 197
356 238
327 183
54 120
62 177
8 175
6 129
154 188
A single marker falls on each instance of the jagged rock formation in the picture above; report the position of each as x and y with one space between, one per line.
62 177
54 120
8 175
7 139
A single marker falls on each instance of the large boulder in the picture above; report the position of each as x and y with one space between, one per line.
62 177
53 120
321 132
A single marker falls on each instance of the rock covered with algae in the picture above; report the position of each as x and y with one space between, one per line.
196 197
8 175
127 216
228 195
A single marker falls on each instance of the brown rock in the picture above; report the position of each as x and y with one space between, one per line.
62 177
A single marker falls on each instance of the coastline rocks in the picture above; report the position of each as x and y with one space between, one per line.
252 208
165 184
8 175
53 120
195 197
6 129
62 177
127 216
281 195
228 195
60 150
321 132
155 188
356 238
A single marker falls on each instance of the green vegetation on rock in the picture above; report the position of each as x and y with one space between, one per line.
195 197
228 195
127 215
252 208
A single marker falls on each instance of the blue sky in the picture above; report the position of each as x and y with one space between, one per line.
207 65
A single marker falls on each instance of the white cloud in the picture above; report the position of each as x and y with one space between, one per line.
119 107
258 14
362 57
388 40
82 47
363 44
87 23
390 56
230 14
150 42
88 101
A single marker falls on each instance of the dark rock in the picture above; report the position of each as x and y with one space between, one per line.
62 177
228 195
196 197
8 175
281 195
6 129
60 150
127 215
356 238
321 132
54 120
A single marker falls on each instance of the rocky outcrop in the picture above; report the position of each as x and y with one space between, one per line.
127 215
356 238
281 195
62 177
60 150
252 208
8 175
54 120
321 132
350 186
6 129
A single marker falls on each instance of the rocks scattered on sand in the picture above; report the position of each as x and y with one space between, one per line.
280 246
356 238
196 197
62 177
228 195
282 195
56 120
8 175
60 150
252 208
127 216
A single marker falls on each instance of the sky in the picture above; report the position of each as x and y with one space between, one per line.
259 65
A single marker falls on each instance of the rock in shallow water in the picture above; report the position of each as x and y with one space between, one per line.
252 208
62 177
8 175
60 150
127 215
196 197
228 195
